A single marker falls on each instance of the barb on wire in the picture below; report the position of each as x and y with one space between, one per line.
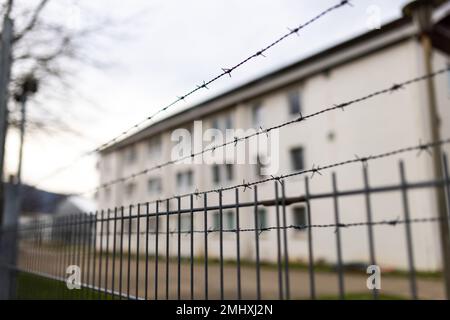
279 126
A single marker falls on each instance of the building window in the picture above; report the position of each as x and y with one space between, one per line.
131 154
222 123
256 115
216 173
299 217
222 173
259 166
229 168
152 224
230 220
107 193
297 159
185 223
130 189
294 102
154 185
215 124
184 180
228 122
262 218
216 221
155 147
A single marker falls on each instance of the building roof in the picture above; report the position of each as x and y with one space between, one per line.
388 35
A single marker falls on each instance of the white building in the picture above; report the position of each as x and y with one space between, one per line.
372 61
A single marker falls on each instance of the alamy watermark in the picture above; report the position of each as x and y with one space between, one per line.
374 280
261 149
73 281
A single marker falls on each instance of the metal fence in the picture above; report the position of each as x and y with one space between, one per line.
133 253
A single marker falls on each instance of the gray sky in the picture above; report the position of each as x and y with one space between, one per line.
166 50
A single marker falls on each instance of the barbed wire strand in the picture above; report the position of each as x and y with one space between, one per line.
394 88
386 222
204 85
316 169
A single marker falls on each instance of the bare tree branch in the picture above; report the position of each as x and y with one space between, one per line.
32 22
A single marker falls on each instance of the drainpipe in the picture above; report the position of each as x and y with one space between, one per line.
421 13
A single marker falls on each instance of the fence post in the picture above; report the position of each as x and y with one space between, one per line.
5 68
8 244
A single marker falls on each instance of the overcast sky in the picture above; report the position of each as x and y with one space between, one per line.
166 50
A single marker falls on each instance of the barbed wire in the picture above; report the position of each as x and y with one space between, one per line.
316 169
299 227
203 85
301 118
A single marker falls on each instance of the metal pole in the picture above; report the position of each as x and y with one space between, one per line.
8 218
5 70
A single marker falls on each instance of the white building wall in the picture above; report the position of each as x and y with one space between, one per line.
385 123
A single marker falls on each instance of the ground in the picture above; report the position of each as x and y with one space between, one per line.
392 286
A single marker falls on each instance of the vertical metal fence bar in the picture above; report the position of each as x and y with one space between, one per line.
40 247
222 295
205 219
79 258
447 183
179 250
108 225
74 247
70 249
54 242
147 227
167 247
446 186
130 222
238 247
369 221
192 246
89 253
60 250
76 294
113 271
409 244
122 220
279 263
85 241
156 249
100 258
338 239
138 236
257 231
285 243
94 248
312 280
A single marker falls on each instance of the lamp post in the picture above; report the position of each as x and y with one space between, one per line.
29 87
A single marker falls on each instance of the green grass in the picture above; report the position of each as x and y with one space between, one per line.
33 287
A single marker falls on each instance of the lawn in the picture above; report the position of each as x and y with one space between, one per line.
33 287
